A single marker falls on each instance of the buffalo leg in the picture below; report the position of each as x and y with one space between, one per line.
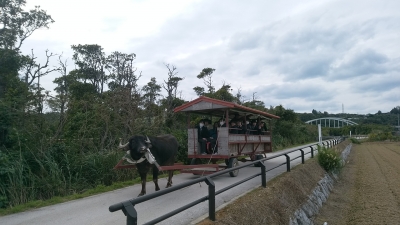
170 174
143 177
155 177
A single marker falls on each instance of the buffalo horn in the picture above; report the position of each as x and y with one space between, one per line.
125 146
147 140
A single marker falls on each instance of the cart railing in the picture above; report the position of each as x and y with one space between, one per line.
128 207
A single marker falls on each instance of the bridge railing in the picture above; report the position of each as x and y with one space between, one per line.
128 207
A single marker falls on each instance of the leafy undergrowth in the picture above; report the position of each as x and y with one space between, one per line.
329 159
355 141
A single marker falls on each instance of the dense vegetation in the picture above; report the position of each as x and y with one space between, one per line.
70 147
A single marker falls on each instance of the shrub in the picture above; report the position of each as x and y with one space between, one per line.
329 159
380 136
355 141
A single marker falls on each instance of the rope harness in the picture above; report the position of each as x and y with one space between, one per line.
146 156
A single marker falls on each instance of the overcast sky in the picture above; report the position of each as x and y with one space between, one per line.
303 55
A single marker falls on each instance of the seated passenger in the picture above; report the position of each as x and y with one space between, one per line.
207 124
222 123
248 127
253 127
240 127
233 128
262 129
214 131
204 138
203 135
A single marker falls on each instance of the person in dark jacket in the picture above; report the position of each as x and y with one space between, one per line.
254 127
214 131
233 128
240 127
262 128
248 127
203 135
204 138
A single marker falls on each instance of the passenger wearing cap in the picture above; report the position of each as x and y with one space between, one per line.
240 127
233 129
254 127
204 137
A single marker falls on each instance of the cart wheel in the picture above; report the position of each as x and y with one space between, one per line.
196 161
227 162
233 162
257 157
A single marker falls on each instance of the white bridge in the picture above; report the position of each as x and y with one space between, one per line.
334 122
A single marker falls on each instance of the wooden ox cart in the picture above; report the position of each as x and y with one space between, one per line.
252 143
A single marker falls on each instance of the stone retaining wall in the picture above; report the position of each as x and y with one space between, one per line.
318 196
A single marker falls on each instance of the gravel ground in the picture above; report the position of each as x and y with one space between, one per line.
368 191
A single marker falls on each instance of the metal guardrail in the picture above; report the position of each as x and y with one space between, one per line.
128 207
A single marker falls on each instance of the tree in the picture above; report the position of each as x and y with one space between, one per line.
32 72
91 61
255 104
395 110
224 94
151 92
171 86
206 75
239 96
199 91
122 71
13 93
18 25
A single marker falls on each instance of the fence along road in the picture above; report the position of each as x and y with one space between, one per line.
94 209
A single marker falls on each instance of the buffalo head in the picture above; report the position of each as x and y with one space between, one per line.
137 146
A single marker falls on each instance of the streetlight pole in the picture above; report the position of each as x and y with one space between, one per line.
398 117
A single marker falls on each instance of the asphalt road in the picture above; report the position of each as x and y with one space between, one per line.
94 209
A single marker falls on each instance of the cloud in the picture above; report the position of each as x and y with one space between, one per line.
361 63
302 54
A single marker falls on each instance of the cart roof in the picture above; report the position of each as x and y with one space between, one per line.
205 105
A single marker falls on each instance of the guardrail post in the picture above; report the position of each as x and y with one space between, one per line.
130 213
302 156
263 175
287 163
211 198
312 152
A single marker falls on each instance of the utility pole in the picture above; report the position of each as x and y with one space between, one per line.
398 118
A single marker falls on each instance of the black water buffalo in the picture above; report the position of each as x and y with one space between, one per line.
164 149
